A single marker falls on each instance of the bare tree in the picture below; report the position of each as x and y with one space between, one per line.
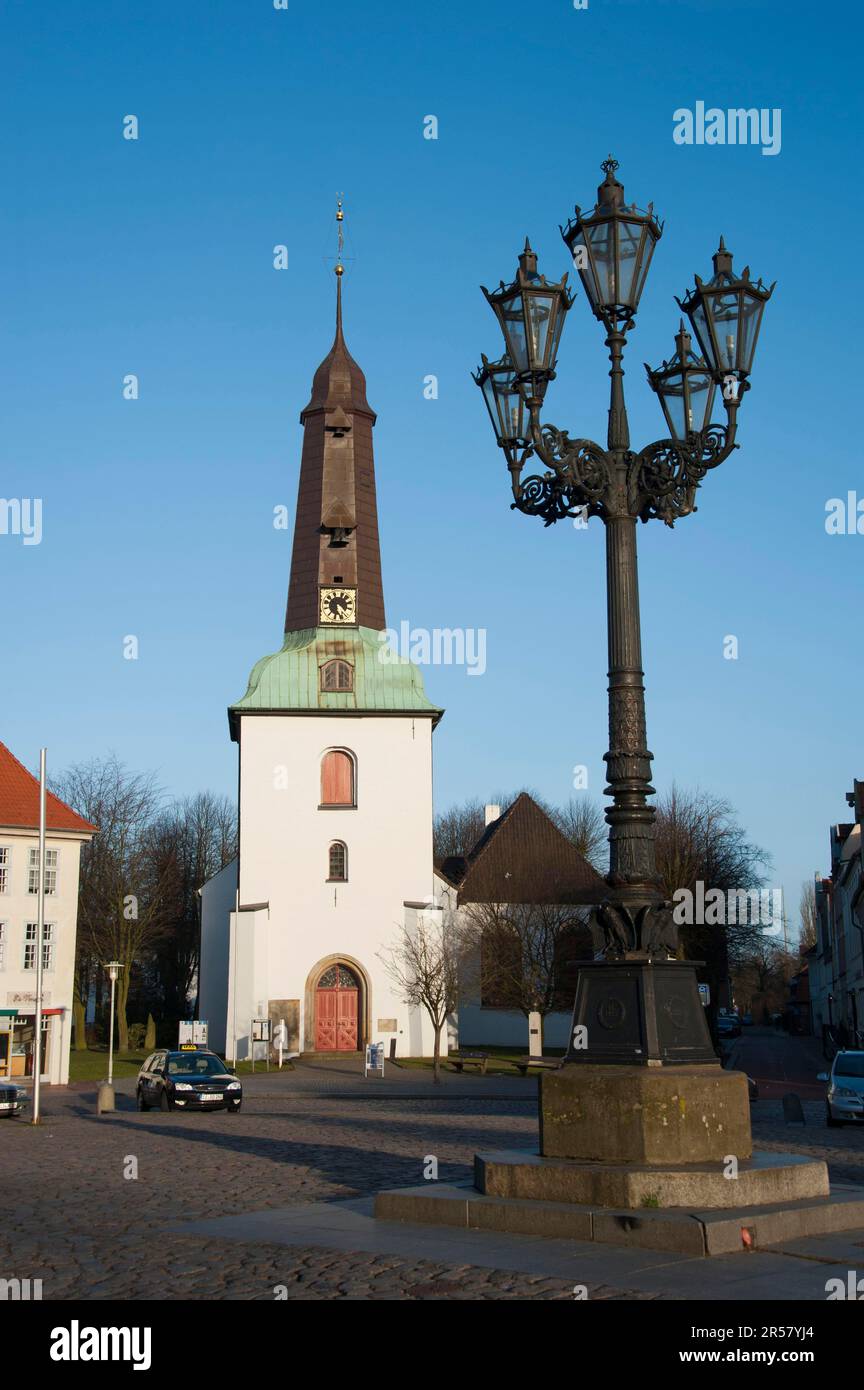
525 950
584 823
189 842
427 964
123 897
699 839
807 913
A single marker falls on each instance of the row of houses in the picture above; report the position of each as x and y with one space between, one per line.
835 964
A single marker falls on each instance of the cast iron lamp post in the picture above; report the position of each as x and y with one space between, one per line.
640 1004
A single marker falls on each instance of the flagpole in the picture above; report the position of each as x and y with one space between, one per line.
40 932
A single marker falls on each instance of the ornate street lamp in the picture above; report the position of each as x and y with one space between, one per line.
612 249
639 1004
726 314
531 314
505 403
685 389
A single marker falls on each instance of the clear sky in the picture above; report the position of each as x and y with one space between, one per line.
155 257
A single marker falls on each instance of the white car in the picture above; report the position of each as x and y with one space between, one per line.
845 1101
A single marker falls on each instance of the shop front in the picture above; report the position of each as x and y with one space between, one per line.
17 1042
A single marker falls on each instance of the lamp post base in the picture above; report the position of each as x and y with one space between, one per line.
639 1012
654 1115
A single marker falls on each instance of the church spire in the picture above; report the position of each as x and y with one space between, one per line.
336 562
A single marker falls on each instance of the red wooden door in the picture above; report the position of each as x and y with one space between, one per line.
346 1020
337 1012
325 1020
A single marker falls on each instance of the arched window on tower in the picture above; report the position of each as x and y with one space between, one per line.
337 676
338 778
338 863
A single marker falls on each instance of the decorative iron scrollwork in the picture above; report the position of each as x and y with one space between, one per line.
578 481
665 476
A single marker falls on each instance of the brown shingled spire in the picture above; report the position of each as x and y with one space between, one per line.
336 530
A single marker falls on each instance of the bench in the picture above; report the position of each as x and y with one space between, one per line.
544 1064
469 1059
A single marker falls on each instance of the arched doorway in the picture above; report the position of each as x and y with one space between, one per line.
337 1010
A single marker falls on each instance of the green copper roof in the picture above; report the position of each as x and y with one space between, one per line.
290 680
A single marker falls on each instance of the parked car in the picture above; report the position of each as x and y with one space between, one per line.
845 1100
191 1079
746 1020
12 1099
728 1026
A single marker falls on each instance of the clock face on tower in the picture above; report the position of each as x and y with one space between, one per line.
338 605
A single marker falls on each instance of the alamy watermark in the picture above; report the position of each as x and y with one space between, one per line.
22 516
439 646
735 126
716 908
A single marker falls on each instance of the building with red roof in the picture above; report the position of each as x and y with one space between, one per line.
66 832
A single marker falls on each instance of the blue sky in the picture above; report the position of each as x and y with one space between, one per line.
155 257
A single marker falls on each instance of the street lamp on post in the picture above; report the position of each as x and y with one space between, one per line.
105 1098
646 1000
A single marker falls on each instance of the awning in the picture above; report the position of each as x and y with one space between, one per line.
8 1013
30 1012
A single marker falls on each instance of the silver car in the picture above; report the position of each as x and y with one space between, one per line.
845 1100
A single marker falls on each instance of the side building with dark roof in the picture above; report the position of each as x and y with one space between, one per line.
524 872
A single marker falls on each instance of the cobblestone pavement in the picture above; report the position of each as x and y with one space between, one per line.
73 1218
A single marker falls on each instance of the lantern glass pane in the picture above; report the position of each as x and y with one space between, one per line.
601 239
725 308
541 308
700 390
513 326
641 272
629 241
751 317
672 400
699 320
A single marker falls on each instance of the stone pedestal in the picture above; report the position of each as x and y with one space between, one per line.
636 1114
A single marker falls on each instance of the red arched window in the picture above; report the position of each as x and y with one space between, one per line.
337 778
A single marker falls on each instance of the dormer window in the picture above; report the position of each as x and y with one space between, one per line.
337 676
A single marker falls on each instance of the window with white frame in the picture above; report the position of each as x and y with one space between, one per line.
50 871
5 856
2 945
31 938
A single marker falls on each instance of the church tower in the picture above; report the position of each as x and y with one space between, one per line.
335 786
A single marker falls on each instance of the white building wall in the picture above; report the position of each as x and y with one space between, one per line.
18 907
301 919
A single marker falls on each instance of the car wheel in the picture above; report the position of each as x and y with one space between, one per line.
164 1102
233 1107
141 1104
829 1118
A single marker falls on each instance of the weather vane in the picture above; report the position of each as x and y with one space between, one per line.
340 231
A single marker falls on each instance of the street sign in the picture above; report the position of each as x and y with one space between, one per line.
374 1059
705 995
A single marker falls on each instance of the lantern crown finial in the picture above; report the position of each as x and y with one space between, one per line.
610 194
722 259
528 260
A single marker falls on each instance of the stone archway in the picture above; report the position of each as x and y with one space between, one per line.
337 1016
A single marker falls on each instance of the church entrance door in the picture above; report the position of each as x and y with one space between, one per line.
337 1011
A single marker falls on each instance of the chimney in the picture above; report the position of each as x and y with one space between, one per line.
855 799
492 813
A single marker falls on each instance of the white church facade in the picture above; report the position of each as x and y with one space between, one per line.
335 779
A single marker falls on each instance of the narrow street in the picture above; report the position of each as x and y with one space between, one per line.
780 1063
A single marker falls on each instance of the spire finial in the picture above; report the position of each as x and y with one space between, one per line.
340 218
